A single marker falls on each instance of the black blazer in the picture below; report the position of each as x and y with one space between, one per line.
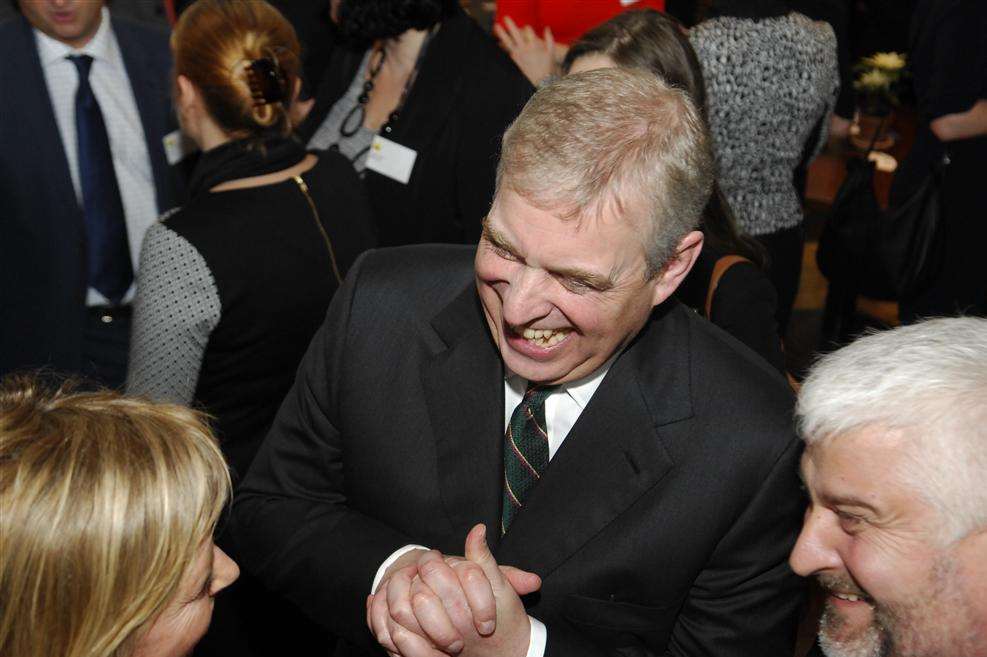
42 235
467 92
662 526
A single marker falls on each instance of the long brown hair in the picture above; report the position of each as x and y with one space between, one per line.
239 55
652 41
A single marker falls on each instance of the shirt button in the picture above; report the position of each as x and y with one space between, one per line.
107 319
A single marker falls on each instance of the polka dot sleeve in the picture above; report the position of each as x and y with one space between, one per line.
176 309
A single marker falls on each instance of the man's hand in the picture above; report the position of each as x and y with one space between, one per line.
537 57
447 605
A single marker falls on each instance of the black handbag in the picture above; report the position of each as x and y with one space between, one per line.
890 254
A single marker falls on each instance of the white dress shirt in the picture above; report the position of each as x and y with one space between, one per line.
111 86
562 408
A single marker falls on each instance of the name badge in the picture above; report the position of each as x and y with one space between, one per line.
391 159
176 146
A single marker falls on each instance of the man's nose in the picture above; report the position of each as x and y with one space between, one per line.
526 298
816 548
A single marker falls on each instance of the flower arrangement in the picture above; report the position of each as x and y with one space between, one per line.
877 81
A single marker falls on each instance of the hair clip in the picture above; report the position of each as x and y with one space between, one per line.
267 81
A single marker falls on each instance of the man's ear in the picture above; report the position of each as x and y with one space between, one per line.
676 269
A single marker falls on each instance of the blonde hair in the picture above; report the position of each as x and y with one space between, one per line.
104 501
214 44
609 139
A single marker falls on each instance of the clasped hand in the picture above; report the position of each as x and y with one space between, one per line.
431 605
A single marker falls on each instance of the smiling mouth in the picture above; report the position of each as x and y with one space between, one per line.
544 338
850 597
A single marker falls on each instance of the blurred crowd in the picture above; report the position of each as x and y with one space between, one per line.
459 326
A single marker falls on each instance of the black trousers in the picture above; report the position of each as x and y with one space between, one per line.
784 249
106 343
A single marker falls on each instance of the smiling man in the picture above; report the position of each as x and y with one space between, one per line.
545 390
895 465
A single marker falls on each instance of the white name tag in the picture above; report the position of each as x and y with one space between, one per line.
391 159
177 146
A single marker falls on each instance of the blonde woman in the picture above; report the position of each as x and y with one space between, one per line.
107 511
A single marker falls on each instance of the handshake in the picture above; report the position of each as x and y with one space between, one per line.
431 605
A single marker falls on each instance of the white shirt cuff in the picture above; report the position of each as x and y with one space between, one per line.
397 554
539 637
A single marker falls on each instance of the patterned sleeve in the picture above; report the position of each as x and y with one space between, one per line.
176 309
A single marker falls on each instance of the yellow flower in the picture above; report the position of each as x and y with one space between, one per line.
886 61
873 80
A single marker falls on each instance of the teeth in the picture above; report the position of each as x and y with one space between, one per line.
545 337
847 596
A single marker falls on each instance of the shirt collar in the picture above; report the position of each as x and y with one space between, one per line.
580 390
51 50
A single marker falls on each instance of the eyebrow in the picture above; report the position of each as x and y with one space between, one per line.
849 500
588 278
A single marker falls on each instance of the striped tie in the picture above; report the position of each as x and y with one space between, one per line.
525 451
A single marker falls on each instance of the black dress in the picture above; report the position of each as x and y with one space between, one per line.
949 66
744 304
231 289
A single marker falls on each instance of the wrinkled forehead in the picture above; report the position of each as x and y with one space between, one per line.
604 231
869 463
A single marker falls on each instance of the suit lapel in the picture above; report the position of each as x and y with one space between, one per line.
41 124
464 388
153 106
613 454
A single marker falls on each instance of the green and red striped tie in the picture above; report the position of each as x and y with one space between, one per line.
525 451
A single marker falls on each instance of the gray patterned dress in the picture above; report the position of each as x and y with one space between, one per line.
769 82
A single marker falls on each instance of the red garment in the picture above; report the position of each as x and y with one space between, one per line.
569 19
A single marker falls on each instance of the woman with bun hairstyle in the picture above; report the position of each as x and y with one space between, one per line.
727 285
424 85
107 511
233 285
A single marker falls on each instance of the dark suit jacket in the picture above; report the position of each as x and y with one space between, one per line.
42 235
662 526
467 92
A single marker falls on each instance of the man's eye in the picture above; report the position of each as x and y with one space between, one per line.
503 253
848 521
576 286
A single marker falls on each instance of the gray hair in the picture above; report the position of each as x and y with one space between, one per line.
613 139
928 380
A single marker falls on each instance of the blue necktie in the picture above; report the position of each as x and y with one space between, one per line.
107 249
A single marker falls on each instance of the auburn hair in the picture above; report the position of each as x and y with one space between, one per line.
104 503
215 45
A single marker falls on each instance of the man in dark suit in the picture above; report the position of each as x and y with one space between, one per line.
85 107
546 386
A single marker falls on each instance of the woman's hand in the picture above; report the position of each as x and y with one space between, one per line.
538 58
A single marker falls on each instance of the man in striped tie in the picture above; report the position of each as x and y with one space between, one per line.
544 397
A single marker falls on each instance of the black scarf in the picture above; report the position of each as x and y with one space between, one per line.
244 158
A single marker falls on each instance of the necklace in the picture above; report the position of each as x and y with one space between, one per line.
355 118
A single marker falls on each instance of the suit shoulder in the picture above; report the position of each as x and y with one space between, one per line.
425 276
151 41
722 362
156 36
14 40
